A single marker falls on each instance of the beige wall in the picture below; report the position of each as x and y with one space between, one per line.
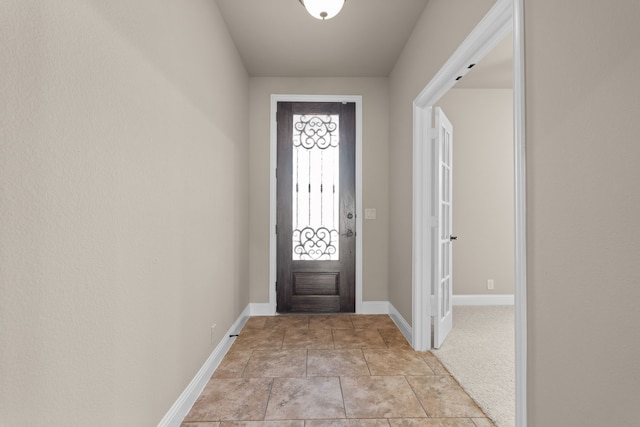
583 152
482 189
438 33
375 98
123 206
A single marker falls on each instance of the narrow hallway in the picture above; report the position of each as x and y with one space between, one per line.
335 370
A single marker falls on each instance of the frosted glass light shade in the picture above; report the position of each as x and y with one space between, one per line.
323 9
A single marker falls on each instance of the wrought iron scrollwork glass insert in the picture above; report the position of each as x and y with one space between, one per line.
316 189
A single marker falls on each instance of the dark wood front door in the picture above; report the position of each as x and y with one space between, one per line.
316 218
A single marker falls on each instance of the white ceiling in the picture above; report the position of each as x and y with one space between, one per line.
278 38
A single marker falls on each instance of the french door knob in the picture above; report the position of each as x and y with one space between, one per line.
349 233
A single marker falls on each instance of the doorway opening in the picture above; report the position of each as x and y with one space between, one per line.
506 16
480 106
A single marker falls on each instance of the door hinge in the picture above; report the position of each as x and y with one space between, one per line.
276 228
431 132
276 286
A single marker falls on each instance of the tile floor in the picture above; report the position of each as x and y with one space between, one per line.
336 370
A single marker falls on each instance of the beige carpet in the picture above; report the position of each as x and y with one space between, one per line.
480 354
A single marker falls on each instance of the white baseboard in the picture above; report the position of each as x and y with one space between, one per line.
182 406
374 307
483 300
401 323
385 307
367 307
261 309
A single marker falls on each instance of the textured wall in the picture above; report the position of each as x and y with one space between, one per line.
582 61
482 189
439 32
375 98
123 206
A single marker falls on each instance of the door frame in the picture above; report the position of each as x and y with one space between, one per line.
273 202
504 17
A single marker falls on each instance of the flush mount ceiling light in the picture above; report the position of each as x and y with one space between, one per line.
323 9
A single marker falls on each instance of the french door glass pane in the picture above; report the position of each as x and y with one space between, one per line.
316 189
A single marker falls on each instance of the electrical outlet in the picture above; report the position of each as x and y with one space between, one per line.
490 284
370 213
213 328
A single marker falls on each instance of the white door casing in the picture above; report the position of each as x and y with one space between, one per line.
443 189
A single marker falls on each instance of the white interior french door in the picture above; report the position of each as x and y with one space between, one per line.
443 289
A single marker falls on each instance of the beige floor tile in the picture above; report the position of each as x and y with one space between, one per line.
308 338
330 371
433 422
433 362
347 423
255 322
380 397
330 321
305 399
483 422
232 365
216 424
287 322
394 338
334 363
231 399
259 339
372 321
276 363
441 396
395 362
279 423
358 338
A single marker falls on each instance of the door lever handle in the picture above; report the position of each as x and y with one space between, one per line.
452 238
349 233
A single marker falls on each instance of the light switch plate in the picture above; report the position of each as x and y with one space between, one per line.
370 213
